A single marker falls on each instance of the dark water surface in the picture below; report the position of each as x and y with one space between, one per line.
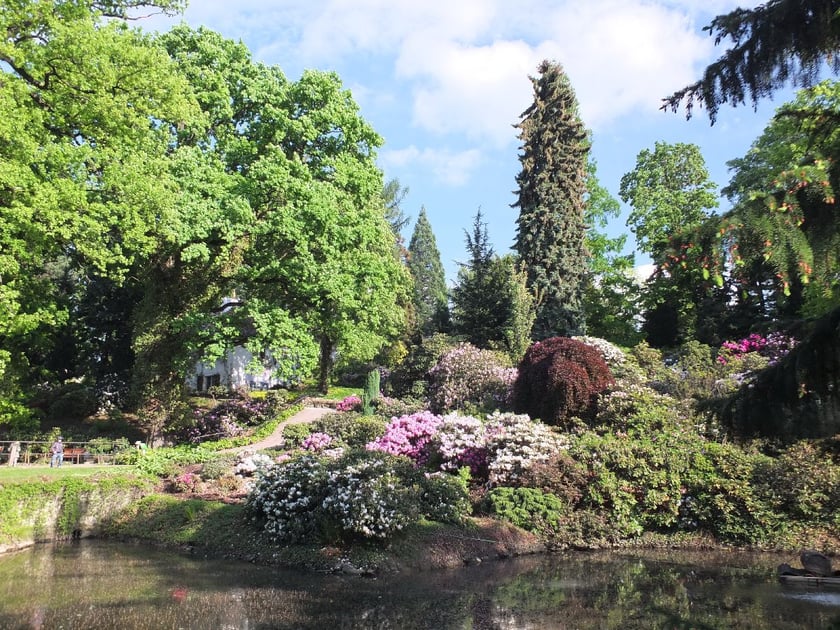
94 584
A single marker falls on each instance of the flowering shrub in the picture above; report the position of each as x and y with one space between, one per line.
230 418
612 354
409 436
368 498
186 482
774 346
287 498
349 403
362 494
467 376
247 464
459 442
515 443
316 442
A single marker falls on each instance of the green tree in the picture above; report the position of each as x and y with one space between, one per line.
492 307
550 238
772 44
612 292
670 192
779 245
85 179
431 298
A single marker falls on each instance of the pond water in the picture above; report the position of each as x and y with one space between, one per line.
95 584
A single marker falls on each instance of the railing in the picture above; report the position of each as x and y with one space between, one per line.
38 452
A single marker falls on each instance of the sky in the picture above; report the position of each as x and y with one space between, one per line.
445 81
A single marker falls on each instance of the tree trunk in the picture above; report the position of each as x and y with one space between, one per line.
325 364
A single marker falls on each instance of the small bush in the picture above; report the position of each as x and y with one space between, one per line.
559 378
295 434
218 467
528 508
445 497
350 430
467 377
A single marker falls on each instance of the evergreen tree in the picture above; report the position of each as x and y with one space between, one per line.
551 232
776 42
430 294
492 307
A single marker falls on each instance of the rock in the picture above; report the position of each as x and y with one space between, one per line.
816 563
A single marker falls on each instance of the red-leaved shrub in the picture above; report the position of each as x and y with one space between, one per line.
558 378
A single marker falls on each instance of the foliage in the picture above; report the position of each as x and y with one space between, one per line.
349 429
559 378
371 392
515 443
445 497
410 378
528 508
492 306
803 483
771 44
430 298
551 234
408 436
612 292
228 419
467 377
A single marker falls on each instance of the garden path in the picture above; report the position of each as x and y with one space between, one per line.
307 414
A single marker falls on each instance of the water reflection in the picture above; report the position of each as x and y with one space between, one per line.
103 585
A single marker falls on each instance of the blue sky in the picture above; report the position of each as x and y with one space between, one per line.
445 81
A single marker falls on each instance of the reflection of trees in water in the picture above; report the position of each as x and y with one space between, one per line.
107 586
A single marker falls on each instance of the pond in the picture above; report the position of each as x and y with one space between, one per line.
96 584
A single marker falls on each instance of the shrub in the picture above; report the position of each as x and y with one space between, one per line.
804 484
218 467
349 403
466 376
638 410
409 436
228 419
460 441
410 377
528 508
367 497
560 475
350 430
394 407
611 353
295 434
558 378
287 498
445 497
515 443
316 442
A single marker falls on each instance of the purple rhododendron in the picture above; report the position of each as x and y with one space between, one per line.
408 435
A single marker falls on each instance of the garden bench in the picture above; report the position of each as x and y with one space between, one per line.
74 454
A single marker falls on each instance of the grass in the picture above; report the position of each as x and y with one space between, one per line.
18 474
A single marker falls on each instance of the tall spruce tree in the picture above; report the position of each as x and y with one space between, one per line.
431 302
551 232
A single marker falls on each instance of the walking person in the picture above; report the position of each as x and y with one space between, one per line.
57 450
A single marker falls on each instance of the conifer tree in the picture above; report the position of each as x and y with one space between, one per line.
776 42
551 233
430 294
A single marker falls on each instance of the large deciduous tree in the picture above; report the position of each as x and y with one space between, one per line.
669 191
85 163
431 298
772 44
550 234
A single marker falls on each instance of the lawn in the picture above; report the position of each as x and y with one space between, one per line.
9 474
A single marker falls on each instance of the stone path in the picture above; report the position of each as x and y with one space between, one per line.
307 414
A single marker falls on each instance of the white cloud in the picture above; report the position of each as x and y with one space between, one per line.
452 168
